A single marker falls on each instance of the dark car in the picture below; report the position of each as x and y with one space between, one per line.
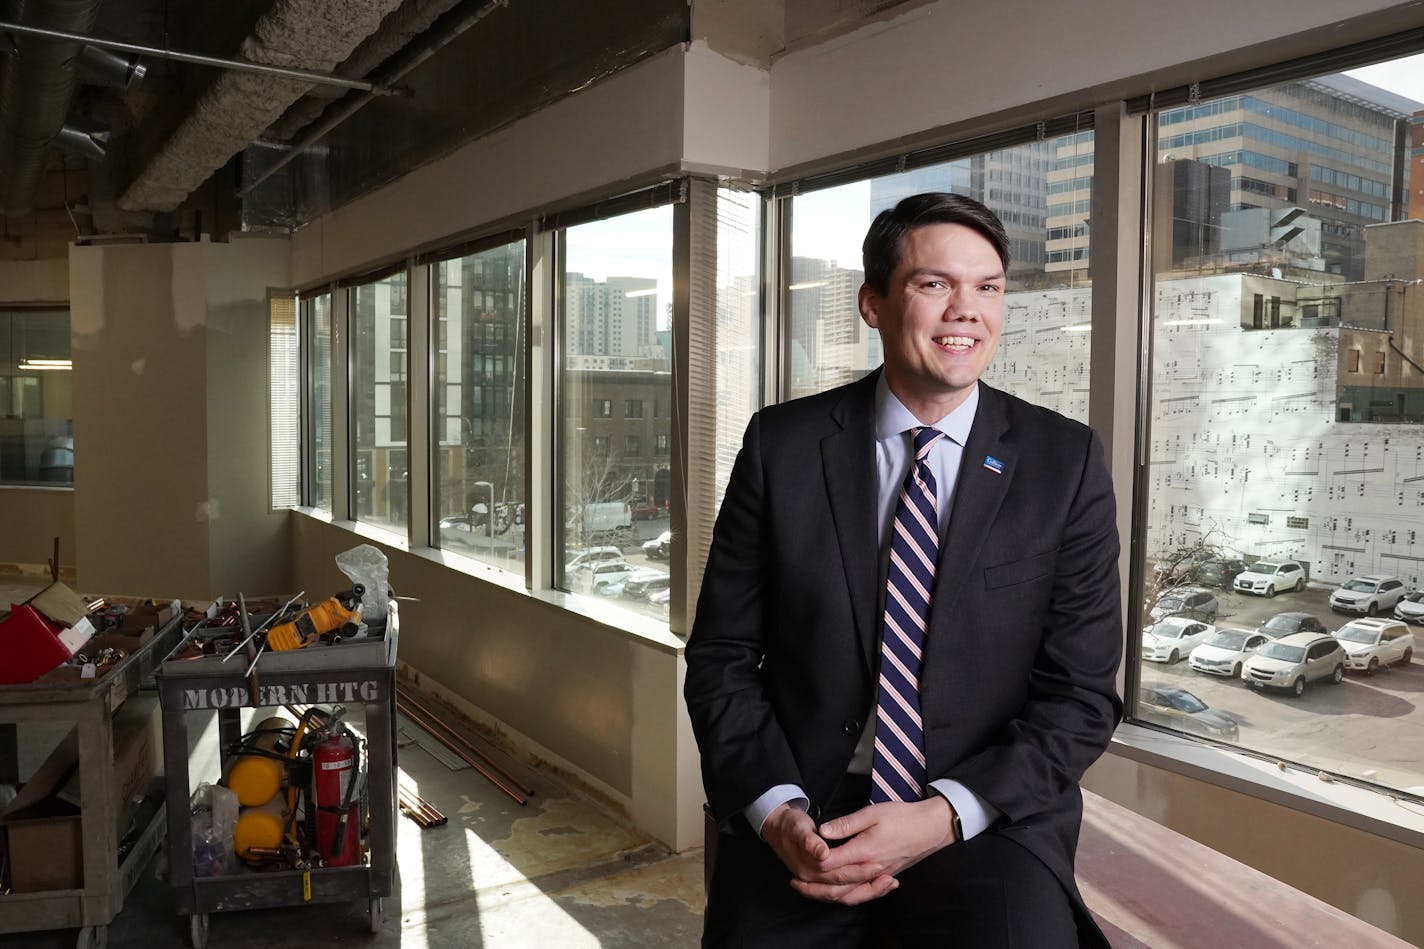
1219 573
1286 624
1181 710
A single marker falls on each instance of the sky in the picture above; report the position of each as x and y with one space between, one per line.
1402 76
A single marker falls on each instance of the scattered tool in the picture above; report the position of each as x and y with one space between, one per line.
337 616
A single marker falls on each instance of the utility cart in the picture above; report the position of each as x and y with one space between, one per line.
353 673
101 877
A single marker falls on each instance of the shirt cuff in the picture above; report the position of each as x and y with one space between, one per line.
975 814
759 810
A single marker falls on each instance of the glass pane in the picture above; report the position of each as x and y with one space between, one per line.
1285 439
36 406
617 353
320 316
739 326
378 402
478 303
1042 191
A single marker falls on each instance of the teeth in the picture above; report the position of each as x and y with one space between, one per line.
964 341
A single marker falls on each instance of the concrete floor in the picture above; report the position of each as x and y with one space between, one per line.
556 872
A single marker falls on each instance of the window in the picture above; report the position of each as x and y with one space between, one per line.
36 427
284 407
1246 454
632 446
478 413
378 403
615 342
1044 351
318 316
662 444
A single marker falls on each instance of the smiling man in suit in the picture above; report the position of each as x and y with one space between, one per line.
905 646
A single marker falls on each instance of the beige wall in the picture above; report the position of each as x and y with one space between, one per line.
170 407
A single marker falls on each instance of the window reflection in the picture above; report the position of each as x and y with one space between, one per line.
380 473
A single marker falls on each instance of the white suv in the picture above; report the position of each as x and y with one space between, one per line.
1371 643
1368 595
1269 577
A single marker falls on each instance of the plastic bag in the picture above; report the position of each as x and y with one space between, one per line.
367 566
214 815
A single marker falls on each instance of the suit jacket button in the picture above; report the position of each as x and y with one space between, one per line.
815 812
851 727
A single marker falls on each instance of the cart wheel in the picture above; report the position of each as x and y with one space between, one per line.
198 929
93 937
378 914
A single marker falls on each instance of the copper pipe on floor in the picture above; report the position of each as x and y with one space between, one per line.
403 696
429 726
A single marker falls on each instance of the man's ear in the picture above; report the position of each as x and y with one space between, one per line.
869 302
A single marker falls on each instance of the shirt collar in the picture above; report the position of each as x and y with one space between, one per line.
892 419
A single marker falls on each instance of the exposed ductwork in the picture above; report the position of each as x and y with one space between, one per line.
36 88
238 107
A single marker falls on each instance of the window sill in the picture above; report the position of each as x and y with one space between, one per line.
37 486
642 629
1374 812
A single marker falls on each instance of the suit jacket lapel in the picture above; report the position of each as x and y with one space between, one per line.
978 493
848 463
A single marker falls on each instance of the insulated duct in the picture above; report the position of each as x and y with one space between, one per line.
36 89
239 106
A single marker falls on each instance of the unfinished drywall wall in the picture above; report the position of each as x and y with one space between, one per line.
170 406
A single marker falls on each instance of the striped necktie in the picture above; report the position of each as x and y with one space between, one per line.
898 767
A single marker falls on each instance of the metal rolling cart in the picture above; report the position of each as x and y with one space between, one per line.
357 672
91 706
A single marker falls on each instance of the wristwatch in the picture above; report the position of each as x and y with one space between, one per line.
958 827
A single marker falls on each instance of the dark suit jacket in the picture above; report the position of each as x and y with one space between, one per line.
1017 688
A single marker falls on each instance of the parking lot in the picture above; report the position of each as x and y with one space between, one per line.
1365 727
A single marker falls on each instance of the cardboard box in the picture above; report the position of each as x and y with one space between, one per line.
43 839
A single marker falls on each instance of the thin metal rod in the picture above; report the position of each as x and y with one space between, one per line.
404 696
259 629
441 40
242 65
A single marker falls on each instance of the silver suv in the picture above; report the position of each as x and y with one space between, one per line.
1368 595
1371 643
1269 577
1292 661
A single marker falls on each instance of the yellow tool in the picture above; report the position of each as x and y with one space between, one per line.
341 613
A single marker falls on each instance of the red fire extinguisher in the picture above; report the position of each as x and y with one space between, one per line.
336 774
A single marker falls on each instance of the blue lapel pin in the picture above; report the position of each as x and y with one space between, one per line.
993 464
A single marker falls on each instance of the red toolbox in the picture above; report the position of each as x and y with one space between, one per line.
29 646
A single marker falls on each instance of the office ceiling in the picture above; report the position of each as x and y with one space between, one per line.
104 144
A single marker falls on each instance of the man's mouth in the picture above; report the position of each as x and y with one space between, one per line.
955 342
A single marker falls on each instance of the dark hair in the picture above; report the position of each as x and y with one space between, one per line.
881 251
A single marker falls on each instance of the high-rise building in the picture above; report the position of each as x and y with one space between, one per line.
612 324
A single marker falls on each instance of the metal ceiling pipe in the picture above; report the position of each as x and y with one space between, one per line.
78 141
36 88
99 67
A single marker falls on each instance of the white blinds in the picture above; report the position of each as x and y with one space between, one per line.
284 388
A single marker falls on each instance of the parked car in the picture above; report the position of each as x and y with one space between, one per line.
1292 661
1367 596
645 582
1284 624
1169 639
1410 607
1269 577
660 547
605 577
1371 643
1190 602
592 555
1220 573
1181 710
1225 650
1182 566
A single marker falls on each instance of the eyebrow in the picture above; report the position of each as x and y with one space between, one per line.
931 272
